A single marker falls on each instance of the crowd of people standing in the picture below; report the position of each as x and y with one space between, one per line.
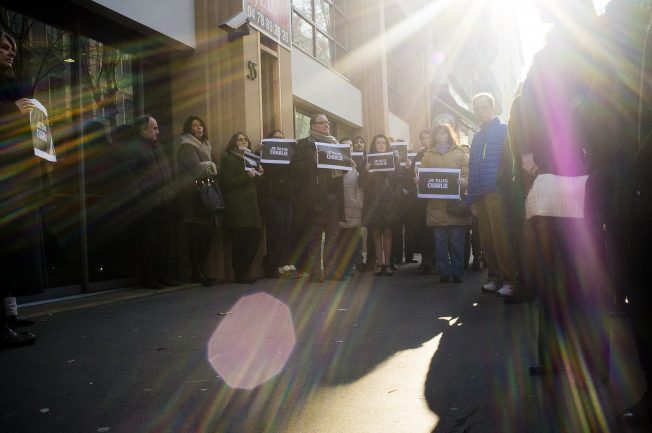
544 194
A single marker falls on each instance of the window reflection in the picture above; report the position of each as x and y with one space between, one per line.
324 48
304 7
323 17
323 22
302 33
49 63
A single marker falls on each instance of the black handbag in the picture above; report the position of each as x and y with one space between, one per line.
458 208
208 197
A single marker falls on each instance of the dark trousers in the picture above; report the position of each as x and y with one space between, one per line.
347 252
306 248
278 224
529 266
573 313
418 235
21 255
397 245
156 235
244 246
472 243
200 237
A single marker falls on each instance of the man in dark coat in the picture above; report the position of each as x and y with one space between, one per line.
155 206
318 205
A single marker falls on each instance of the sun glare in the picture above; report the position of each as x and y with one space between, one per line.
531 30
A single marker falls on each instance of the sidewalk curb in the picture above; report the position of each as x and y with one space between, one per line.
55 306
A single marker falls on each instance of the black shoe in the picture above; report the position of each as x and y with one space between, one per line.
476 265
444 279
15 322
16 339
425 268
389 271
638 414
457 279
379 270
244 280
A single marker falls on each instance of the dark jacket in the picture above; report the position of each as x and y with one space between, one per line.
384 198
313 186
240 196
20 197
486 152
277 182
20 182
558 80
189 169
153 178
618 158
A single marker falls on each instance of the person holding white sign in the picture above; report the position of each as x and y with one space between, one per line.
448 229
243 220
20 194
318 206
383 192
276 189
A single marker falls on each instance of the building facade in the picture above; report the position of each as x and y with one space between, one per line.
251 66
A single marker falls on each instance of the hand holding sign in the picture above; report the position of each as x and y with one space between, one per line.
333 156
380 162
252 164
442 183
24 105
277 150
400 148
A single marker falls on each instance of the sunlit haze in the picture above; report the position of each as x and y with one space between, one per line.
532 31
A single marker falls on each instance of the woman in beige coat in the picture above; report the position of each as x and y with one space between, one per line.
448 229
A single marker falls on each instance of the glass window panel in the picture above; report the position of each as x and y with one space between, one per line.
325 49
341 33
49 56
302 34
301 124
304 7
106 82
323 16
107 95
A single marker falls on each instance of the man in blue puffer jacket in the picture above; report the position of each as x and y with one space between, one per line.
484 194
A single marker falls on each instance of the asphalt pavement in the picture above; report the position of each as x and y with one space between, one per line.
401 354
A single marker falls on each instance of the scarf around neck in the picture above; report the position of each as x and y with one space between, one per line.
442 148
323 138
203 147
